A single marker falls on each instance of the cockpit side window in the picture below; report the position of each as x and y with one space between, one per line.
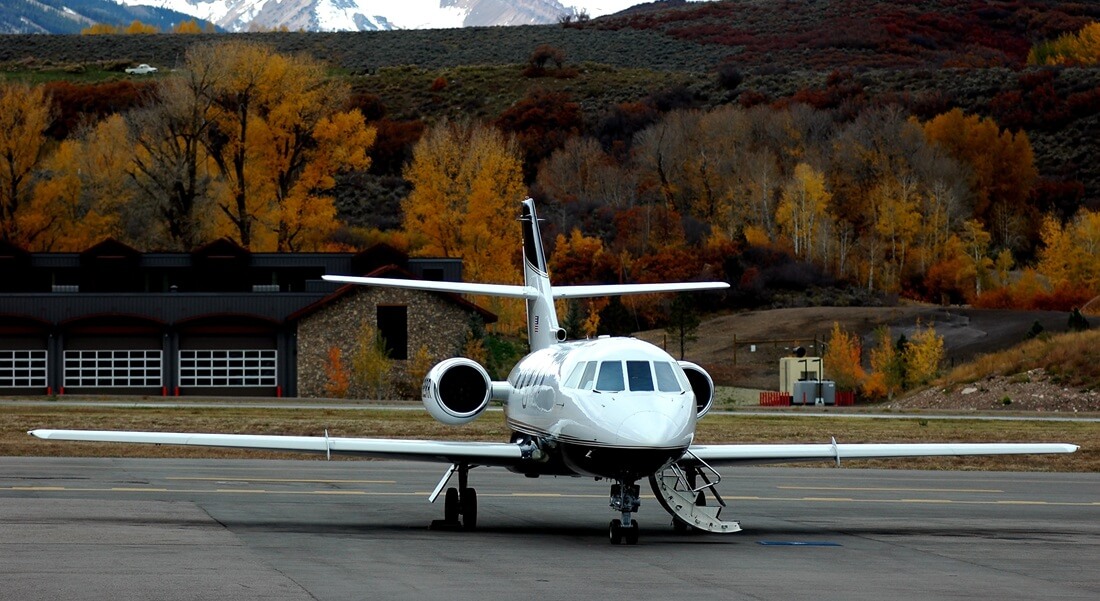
589 375
575 376
611 377
666 377
639 376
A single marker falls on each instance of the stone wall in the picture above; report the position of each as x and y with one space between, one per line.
434 322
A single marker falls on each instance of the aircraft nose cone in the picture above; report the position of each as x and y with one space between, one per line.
649 428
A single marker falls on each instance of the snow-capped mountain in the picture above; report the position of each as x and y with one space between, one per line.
366 15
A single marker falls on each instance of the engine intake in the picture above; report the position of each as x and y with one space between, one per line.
456 391
702 385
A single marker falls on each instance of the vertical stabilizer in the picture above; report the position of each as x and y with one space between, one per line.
542 321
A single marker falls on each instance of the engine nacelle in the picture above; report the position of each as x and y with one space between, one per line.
702 385
456 391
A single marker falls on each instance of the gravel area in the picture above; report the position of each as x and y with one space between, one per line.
1033 390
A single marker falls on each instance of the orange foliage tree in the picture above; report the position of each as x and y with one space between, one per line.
1002 165
25 113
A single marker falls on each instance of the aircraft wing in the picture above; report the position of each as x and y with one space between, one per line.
748 454
476 453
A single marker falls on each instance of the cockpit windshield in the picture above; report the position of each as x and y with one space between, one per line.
639 376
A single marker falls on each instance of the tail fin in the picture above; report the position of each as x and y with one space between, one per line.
542 320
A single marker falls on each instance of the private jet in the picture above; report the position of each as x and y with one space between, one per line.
611 408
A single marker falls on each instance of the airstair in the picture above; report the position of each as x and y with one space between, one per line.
678 490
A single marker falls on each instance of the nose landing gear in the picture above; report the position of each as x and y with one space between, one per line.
624 498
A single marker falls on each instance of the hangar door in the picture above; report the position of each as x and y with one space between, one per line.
235 356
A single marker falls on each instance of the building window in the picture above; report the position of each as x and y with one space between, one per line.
112 369
228 368
393 324
22 369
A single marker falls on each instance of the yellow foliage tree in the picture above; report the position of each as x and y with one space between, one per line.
99 29
802 211
25 113
371 364
191 26
923 356
137 27
843 359
1071 253
1081 48
84 193
467 183
279 140
887 376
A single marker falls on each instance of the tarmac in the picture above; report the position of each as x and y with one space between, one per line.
167 529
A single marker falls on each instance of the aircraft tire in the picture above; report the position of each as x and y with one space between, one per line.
631 533
450 506
469 508
615 532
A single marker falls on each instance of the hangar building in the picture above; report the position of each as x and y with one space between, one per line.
216 321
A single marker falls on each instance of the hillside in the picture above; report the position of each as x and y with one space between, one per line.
724 341
927 57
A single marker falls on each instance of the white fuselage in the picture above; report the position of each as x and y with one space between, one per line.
604 407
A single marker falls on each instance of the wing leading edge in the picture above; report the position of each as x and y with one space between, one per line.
748 454
477 453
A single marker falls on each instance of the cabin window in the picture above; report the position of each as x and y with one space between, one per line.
611 377
666 377
639 376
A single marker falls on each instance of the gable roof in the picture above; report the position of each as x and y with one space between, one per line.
395 272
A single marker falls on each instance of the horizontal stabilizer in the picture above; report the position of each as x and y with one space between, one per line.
504 290
528 292
625 289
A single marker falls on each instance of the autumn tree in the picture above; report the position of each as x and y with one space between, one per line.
1002 163
802 212
338 379
99 29
923 356
278 139
580 259
371 363
843 359
84 193
541 122
25 114
172 165
887 376
1070 254
137 27
1081 48
190 26
242 86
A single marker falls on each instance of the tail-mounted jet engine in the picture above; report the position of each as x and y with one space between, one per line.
456 391
701 385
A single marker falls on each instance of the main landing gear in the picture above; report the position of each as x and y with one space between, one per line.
459 504
624 498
